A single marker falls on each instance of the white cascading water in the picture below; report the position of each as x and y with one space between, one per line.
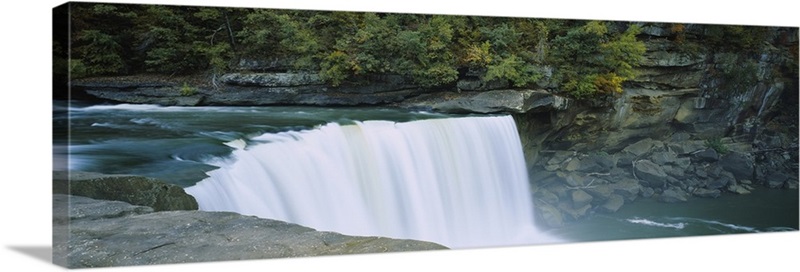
459 182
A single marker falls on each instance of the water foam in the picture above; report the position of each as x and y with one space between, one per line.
460 182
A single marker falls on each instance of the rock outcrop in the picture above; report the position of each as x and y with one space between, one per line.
101 233
570 185
136 190
660 137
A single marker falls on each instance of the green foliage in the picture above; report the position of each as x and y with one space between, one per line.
335 68
99 52
736 37
432 63
593 60
717 144
511 68
477 55
77 69
186 90
588 59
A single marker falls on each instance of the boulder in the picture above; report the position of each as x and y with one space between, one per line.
680 137
550 215
641 147
560 156
706 193
683 163
738 189
673 195
137 190
573 165
613 204
647 192
687 147
652 174
573 179
600 193
664 158
596 163
580 198
627 188
105 233
625 159
739 164
725 179
776 180
674 171
707 155
546 196
573 212
792 184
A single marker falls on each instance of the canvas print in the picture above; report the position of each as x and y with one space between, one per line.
196 134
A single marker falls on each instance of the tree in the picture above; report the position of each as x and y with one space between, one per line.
592 60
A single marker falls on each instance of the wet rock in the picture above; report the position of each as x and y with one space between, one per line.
683 163
680 137
776 180
715 171
576 180
647 192
105 233
600 193
596 163
137 190
550 215
572 212
675 171
738 189
546 196
706 193
725 178
739 164
707 155
627 188
573 165
613 204
792 184
641 147
580 198
625 159
652 174
560 156
537 176
687 147
664 158
673 195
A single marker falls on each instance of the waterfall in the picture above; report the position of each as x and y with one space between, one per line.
459 182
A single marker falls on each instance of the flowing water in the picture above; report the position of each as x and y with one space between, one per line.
455 180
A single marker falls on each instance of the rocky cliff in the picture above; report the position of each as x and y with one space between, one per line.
685 127
702 118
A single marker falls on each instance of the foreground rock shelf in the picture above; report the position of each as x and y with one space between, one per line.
100 233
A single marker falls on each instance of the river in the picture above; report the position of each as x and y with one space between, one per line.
199 148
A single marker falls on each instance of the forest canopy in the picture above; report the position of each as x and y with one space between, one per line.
582 58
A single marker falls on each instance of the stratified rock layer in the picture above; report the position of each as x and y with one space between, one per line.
100 233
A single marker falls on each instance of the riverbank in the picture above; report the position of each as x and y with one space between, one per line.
661 142
91 232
